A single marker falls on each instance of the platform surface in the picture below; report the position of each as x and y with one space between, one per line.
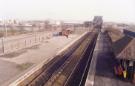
101 71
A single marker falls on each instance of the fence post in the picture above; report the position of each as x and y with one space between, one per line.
25 43
3 45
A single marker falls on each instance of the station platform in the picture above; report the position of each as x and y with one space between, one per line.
101 72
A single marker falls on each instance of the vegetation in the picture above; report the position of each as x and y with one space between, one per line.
12 32
14 54
24 66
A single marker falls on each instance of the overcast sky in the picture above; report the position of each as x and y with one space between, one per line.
111 10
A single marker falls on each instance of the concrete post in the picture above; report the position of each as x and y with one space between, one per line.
3 45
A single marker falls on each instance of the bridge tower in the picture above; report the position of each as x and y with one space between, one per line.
97 23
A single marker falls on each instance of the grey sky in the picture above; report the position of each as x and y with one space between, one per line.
112 10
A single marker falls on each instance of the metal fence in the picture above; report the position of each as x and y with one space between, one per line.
8 45
12 45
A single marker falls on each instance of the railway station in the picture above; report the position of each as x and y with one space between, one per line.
67 43
89 60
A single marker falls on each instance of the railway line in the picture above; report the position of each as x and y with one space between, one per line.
89 61
63 69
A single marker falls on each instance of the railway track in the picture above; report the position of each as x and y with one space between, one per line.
72 65
78 77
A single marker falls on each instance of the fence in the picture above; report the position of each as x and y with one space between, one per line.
8 45
12 45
